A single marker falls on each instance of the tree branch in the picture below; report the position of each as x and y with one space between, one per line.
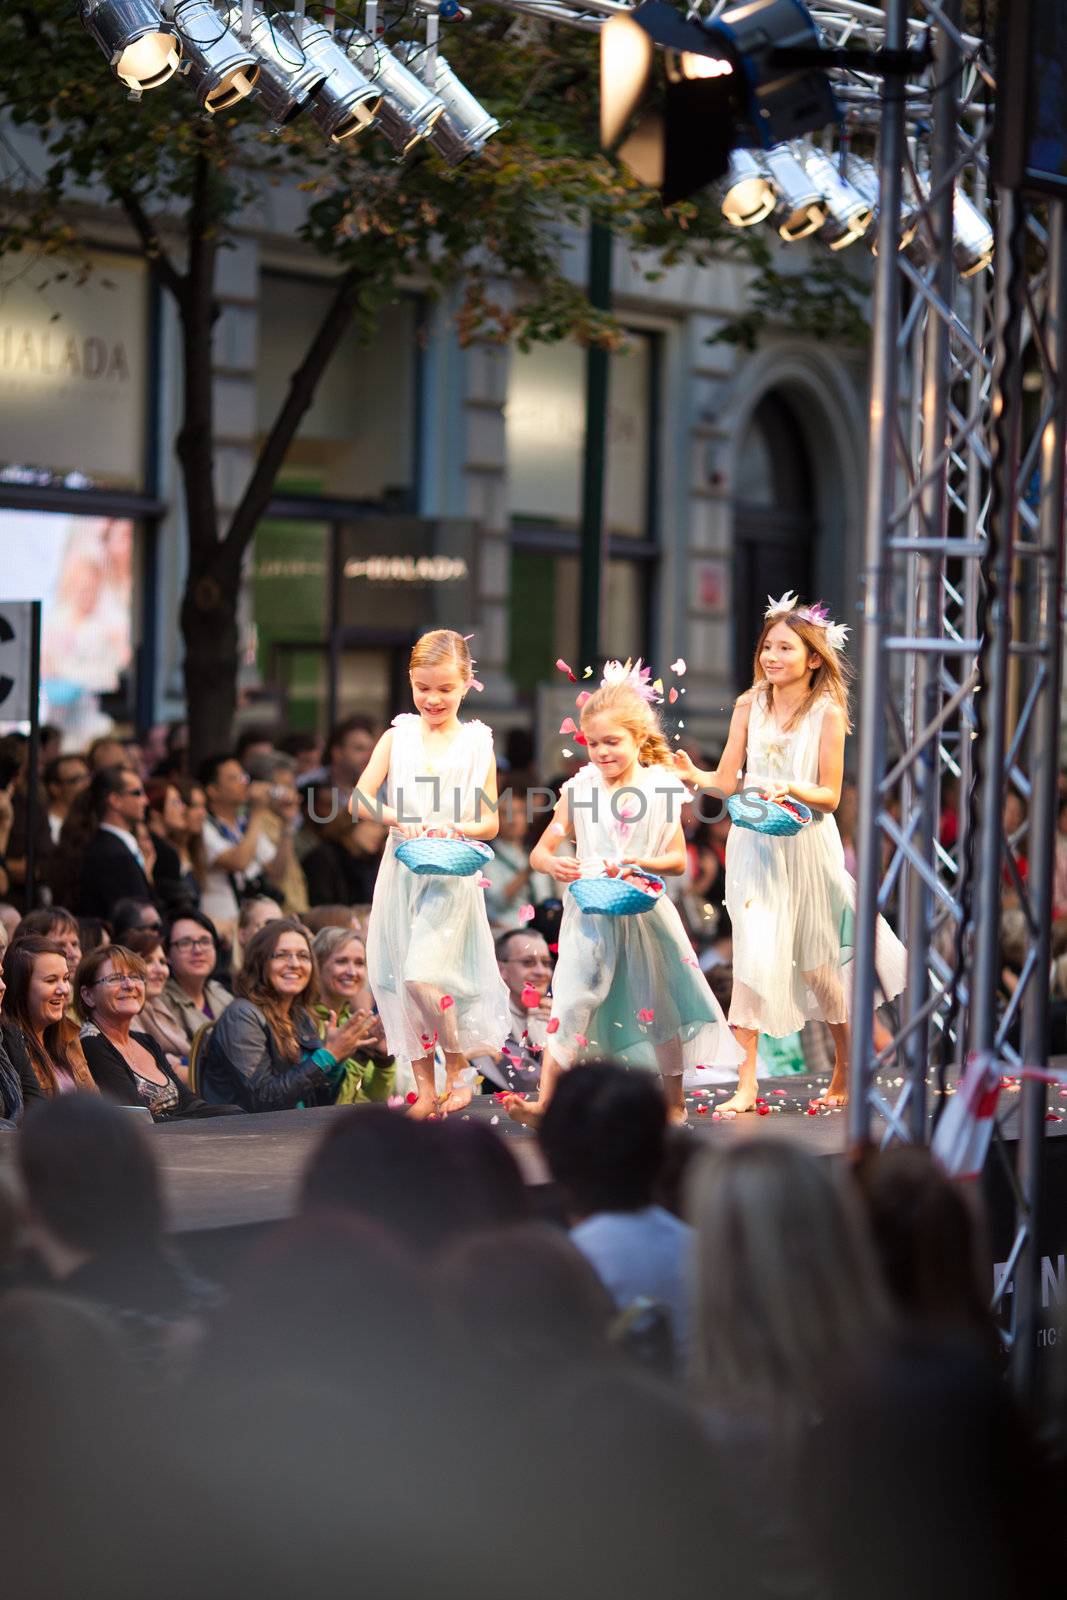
302 387
159 262
195 443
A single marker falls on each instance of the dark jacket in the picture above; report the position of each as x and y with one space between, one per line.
335 877
242 1065
175 890
112 1075
26 1088
110 873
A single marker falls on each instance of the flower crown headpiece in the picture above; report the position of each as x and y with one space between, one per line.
634 675
818 615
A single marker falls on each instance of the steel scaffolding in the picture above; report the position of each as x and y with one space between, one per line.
962 591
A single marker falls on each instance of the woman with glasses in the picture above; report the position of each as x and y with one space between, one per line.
40 1040
265 1053
191 998
126 1062
344 992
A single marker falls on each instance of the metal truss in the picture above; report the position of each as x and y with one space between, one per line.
960 674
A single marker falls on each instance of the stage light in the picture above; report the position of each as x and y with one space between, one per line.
722 87
972 236
139 43
346 101
799 209
466 127
748 196
219 67
287 77
849 213
410 110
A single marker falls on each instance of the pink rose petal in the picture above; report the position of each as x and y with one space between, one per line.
563 667
580 1040
678 668
582 698
484 883
568 725
646 1014
530 996
553 1025
526 913
672 696
580 738
446 1002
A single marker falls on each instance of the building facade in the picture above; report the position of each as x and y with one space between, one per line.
429 485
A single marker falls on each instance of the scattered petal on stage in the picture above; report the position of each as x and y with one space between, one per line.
580 1040
552 1025
646 1014
411 1097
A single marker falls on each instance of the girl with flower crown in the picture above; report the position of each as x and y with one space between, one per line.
790 899
627 987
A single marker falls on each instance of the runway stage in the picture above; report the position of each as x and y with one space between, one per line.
244 1171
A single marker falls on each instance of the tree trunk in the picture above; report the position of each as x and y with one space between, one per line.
209 631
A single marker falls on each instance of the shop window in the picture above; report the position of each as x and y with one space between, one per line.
82 570
290 587
357 439
74 376
546 436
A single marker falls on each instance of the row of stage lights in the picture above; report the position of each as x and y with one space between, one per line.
805 191
345 79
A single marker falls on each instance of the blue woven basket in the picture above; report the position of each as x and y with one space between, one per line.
771 818
614 897
443 858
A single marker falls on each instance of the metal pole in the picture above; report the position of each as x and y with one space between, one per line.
876 597
1044 743
992 697
33 755
593 463
926 569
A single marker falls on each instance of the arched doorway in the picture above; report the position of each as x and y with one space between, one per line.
775 522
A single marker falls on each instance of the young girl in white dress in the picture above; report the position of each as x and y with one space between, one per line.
625 987
430 958
790 899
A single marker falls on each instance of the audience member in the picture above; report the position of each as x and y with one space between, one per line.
341 956
38 1036
255 913
113 867
240 857
604 1137
526 967
280 823
304 750
264 1053
926 1237
512 882
134 916
337 916
191 998
107 752
64 777
148 944
92 933
348 749
195 816
95 1218
252 742
174 880
342 865
11 1090
10 917
126 1062
55 923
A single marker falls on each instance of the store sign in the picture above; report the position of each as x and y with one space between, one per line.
73 376
406 574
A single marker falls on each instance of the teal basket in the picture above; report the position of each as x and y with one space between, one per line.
773 819
614 897
443 858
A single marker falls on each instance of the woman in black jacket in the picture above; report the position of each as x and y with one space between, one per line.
265 1053
126 1063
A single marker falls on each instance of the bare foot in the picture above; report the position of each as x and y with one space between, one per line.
455 1098
743 1100
678 1116
528 1112
836 1096
423 1107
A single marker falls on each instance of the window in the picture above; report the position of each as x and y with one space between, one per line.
546 439
74 377
357 439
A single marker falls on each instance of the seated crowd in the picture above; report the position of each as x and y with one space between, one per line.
741 1367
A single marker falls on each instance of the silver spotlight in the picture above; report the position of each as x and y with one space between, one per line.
972 236
410 110
747 196
220 68
799 210
346 102
849 212
466 127
287 76
140 45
